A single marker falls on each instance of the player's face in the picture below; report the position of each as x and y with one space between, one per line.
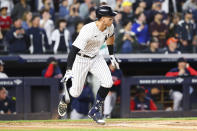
108 20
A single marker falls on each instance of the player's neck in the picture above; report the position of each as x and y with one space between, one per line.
100 26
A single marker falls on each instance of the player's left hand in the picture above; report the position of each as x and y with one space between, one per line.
114 61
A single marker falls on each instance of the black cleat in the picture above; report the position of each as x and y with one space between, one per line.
96 113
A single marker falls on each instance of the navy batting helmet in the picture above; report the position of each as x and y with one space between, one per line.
104 10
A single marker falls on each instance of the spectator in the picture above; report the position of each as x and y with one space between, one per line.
9 4
125 39
19 9
156 7
73 18
84 9
183 69
153 46
47 24
52 70
141 102
111 98
144 3
61 38
40 4
26 24
172 46
159 29
80 106
127 11
187 32
138 11
7 105
140 28
37 37
47 6
190 4
103 2
92 16
2 75
140 4
5 21
63 9
173 26
118 6
78 27
17 38
112 3
118 22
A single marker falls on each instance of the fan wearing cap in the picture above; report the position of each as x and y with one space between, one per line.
187 32
2 75
5 20
141 102
127 10
172 46
84 57
183 69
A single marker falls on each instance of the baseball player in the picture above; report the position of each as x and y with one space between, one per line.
84 57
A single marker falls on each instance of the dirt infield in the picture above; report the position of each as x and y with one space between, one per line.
154 125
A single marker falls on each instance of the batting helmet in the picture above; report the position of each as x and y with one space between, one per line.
104 10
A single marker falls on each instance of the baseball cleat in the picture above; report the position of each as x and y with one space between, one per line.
62 108
96 113
97 117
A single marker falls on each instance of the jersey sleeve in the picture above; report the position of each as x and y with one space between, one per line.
83 37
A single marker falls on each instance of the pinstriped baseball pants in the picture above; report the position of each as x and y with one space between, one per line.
97 66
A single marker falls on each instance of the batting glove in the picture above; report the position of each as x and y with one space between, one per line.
68 75
114 61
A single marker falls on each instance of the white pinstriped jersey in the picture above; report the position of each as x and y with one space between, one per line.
90 38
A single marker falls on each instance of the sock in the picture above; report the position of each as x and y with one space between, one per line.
68 85
102 93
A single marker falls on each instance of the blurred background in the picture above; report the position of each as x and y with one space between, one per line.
156 41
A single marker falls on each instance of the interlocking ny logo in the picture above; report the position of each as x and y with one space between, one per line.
179 80
17 81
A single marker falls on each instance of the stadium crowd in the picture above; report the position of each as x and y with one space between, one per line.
142 26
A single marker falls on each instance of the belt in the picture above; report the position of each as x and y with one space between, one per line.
83 55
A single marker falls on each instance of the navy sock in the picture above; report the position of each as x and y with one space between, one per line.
102 93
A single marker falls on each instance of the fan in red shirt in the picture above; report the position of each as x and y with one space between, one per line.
5 21
183 69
